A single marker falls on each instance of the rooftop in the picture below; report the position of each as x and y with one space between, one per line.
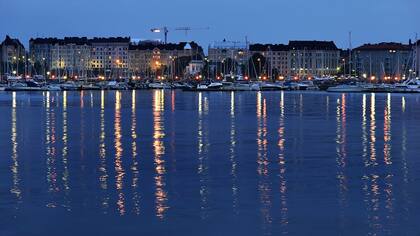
385 46
78 40
312 45
268 47
111 40
8 41
169 46
295 45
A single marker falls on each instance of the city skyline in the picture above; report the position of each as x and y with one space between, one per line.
234 20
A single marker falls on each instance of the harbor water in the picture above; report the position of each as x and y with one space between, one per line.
166 162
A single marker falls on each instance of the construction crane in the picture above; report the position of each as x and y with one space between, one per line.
165 30
187 29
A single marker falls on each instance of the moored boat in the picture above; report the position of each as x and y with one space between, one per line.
24 86
346 88
159 85
70 86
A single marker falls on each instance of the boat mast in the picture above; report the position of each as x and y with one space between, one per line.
415 58
350 55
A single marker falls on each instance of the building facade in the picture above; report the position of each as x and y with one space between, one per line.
220 51
154 58
276 56
383 60
417 53
12 57
40 54
313 58
109 56
71 56
303 59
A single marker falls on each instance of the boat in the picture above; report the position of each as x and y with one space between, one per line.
270 86
24 86
90 87
52 87
215 86
307 85
12 78
70 86
346 88
159 85
202 87
114 85
243 87
408 86
180 85
377 88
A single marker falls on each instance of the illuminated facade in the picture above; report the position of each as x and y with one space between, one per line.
71 55
417 53
275 54
12 56
237 51
313 58
40 53
303 59
147 58
383 60
110 53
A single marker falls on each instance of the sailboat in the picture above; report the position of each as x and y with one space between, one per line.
412 84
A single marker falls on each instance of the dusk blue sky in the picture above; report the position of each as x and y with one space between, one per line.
266 21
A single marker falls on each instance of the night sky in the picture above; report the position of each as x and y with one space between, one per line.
266 21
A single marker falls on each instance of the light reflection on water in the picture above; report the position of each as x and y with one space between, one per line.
103 170
51 150
134 153
119 169
341 150
203 145
14 168
159 152
264 187
64 154
117 150
282 168
233 158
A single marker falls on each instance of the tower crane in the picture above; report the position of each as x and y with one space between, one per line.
186 29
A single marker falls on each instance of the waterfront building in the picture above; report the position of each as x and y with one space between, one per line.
221 54
313 58
40 54
70 57
383 61
195 67
301 59
109 57
276 58
152 58
12 57
417 53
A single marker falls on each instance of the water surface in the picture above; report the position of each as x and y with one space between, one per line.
179 163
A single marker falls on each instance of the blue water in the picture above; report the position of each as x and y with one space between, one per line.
181 163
